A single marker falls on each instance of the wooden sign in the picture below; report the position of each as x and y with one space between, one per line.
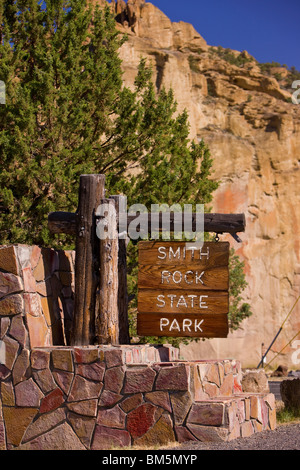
100 311
183 289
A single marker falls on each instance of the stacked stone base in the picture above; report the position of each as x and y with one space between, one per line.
103 397
226 419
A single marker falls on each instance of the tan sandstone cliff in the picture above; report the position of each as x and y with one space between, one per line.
253 131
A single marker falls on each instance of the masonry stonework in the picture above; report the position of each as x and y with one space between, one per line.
56 397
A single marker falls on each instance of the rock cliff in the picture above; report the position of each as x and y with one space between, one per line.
245 114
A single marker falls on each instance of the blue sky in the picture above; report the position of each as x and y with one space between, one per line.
268 29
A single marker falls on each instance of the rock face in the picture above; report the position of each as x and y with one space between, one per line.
253 131
255 381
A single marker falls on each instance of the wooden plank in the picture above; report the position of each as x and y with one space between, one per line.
181 277
172 301
209 255
178 325
65 222
91 191
181 265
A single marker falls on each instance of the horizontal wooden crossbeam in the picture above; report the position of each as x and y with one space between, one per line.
65 222
101 298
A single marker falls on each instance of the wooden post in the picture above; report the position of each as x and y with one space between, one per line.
101 303
120 204
107 318
91 192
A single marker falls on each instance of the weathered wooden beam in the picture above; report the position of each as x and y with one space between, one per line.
107 313
124 338
62 222
91 192
65 222
218 223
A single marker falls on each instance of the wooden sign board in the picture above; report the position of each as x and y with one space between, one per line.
183 289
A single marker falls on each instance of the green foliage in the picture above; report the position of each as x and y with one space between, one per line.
288 415
238 310
294 74
194 63
234 59
62 82
286 82
278 76
268 66
67 113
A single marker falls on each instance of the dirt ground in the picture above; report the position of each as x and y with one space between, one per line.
284 437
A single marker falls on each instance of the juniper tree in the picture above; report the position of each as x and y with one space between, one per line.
68 113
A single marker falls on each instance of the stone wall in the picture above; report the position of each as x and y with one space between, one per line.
100 397
54 396
36 297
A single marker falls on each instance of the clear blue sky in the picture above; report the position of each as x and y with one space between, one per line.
268 29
